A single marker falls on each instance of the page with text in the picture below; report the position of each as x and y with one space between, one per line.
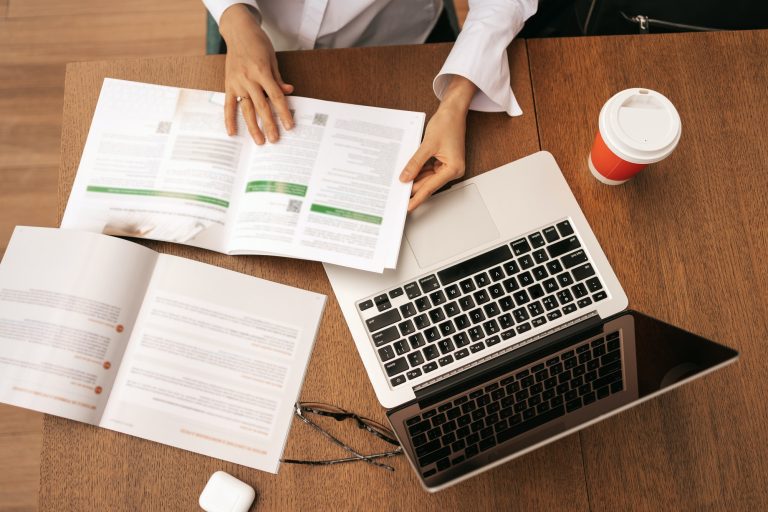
68 302
216 363
329 189
157 164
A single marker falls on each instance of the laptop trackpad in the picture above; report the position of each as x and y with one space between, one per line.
450 223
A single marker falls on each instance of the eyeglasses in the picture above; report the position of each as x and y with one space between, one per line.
303 409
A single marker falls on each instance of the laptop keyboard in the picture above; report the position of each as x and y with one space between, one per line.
455 431
441 318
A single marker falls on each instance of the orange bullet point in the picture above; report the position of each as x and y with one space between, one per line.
119 328
107 365
97 390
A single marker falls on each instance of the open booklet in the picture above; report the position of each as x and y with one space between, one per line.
158 164
105 331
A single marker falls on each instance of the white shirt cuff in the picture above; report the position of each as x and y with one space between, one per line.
217 7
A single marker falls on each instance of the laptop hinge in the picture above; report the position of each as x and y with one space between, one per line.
479 369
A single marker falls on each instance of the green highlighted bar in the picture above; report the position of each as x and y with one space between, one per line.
347 214
280 187
159 193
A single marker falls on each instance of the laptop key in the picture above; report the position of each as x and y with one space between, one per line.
538 321
551 234
579 290
395 293
386 353
554 267
565 228
446 328
383 320
491 309
422 303
397 380
511 268
540 256
437 297
574 258
429 367
536 240
564 296
570 308
550 285
417 341
461 354
521 297
416 359
564 246
408 309
496 290
523 328
452 308
536 291
511 285
476 315
431 352
383 337
422 321
482 280
510 333
473 265
461 340
476 333
399 365
429 283
382 302
540 272
526 262
462 322
491 327
477 347
554 315
366 304
565 279
525 279
431 334
436 315
521 314
493 340
467 286
583 271
594 284
506 303
446 346
412 290
599 296
520 247
445 360
496 273
401 347
481 296
466 303
406 328
584 302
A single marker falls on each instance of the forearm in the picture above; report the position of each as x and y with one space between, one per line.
458 95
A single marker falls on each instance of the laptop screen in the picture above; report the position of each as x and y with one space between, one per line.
545 390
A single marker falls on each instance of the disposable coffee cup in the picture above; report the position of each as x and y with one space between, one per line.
636 127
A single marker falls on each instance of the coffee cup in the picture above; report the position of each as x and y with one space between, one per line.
636 127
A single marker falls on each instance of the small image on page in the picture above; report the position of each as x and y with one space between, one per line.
216 363
157 164
68 302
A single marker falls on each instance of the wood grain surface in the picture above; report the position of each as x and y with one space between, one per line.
88 468
688 239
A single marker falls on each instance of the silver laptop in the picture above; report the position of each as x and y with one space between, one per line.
501 328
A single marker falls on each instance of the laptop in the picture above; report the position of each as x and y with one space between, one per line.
503 326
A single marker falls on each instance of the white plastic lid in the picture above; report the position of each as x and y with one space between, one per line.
640 125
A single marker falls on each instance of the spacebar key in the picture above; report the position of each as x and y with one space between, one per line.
383 320
538 421
473 265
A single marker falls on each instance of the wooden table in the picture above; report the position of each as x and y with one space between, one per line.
686 238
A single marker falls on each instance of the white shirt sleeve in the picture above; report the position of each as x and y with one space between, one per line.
217 7
480 53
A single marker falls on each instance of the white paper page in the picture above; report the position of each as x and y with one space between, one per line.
216 363
68 302
329 190
157 164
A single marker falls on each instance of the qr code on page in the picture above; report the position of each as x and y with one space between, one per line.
294 206
320 119
163 127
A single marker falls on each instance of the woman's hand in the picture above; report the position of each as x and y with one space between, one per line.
252 75
440 158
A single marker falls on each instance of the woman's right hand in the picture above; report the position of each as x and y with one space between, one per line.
251 74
